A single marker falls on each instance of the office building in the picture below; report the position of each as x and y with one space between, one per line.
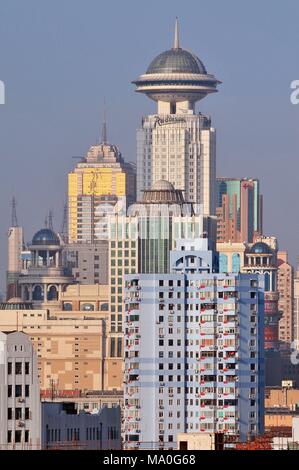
239 210
177 144
88 262
194 351
101 183
71 342
19 393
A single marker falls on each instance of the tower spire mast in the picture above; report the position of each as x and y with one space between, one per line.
176 41
14 220
104 127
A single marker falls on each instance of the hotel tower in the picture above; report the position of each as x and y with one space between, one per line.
177 144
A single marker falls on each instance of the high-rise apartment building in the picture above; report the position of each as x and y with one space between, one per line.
101 183
193 351
20 414
285 284
239 209
142 240
296 309
177 144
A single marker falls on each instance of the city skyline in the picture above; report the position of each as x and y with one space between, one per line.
151 263
47 118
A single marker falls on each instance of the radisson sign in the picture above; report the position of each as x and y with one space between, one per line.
168 120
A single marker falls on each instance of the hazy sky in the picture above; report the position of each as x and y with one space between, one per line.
60 58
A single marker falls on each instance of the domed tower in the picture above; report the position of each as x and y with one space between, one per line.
45 278
176 144
176 79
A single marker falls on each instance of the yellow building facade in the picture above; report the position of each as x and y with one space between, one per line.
100 181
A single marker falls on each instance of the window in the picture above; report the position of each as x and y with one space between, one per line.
8 436
27 390
27 413
9 368
9 391
9 413
26 435
26 368
67 306
18 413
18 368
18 436
87 307
18 390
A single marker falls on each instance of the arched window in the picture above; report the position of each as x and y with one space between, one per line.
104 307
37 293
52 293
236 263
87 307
222 263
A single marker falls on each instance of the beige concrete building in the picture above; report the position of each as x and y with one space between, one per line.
296 310
282 397
285 304
200 441
71 343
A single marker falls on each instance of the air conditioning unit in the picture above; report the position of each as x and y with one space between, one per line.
21 399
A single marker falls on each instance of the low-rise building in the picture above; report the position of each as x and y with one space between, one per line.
64 428
19 393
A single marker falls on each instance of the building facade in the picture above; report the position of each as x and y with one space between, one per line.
296 310
193 351
71 343
88 262
176 144
239 210
64 428
45 279
101 183
19 394
142 241
285 284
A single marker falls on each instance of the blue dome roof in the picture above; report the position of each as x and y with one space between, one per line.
176 61
45 236
260 248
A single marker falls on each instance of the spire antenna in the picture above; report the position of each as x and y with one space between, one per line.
104 127
14 219
50 220
176 41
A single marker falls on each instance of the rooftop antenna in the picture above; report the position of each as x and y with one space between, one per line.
14 220
104 126
64 224
50 220
176 41
46 221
